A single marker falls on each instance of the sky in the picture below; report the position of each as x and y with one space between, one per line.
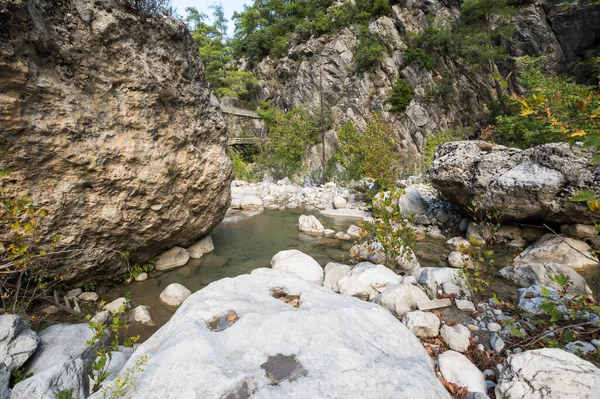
203 6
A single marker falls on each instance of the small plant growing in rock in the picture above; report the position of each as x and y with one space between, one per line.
389 237
565 319
23 254
102 333
65 394
125 381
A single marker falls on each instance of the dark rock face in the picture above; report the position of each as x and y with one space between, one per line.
536 183
107 123
577 28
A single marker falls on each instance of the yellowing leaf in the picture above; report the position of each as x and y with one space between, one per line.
578 133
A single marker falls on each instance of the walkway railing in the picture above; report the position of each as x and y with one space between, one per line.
239 112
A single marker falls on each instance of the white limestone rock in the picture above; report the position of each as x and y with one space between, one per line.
369 353
333 273
70 375
548 373
17 341
449 278
412 203
114 306
88 297
339 202
401 298
174 294
555 249
539 274
458 244
251 202
310 224
201 247
458 369
60 344
422 324
457 337
299 263
465 305
141 315
366 280
171 259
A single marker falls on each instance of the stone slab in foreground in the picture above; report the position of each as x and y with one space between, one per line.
329 346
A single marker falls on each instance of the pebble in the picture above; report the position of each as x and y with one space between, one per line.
481 348
494 327
465 305
596 343
141 277
88 296
490 384
497 312
497 343
473 327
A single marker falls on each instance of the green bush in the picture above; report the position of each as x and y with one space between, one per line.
371 153
238 85
291 134
401 95
370 53
550 109
241 169
418 55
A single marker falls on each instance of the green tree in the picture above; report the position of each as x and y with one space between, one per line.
291 134
550 109
484 23
216 54
372 153
220 23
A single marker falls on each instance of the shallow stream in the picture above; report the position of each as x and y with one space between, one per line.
243 244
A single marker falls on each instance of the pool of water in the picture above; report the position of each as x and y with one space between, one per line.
244 243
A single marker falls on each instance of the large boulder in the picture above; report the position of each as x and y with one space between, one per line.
367 280
17 341
556 249
68 376
330 345
108 124
60 344
518 184
548 373
300 264
539 274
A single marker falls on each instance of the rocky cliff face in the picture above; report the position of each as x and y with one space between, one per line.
107 123
320 72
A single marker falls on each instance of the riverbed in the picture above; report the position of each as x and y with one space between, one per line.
244 242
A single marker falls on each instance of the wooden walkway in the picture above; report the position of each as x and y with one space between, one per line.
240 112
245 140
